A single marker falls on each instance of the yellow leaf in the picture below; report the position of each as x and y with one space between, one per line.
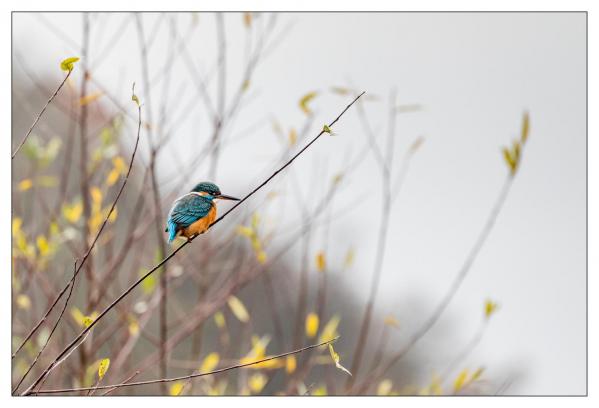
509 159
460 380
16 226
219 319
134 97
176 389
349 257
490 308
23 302
335 358
391 321
247 19
25 185
96 194
133 327
327 129
47 181
103 368
245 85
312 325
525 127
477 374
119 164
77 315
238 309
337 178
416 145
43 245
255 221
261 257
329 332
321 391
113 214
257 382
340 90
384 387
68 64
87 99
210 362
245 231
321 262
112 177
73 212
292 137
303 103
290 364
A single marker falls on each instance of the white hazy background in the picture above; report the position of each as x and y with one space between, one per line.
474 74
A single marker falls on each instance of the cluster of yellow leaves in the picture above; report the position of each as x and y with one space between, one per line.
81 319
490 308
512 155
251 233
20 239
464 378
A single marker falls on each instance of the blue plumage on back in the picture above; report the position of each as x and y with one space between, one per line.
185 211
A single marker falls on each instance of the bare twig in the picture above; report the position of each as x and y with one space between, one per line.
40 114
185 377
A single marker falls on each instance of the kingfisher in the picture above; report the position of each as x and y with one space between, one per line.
193 213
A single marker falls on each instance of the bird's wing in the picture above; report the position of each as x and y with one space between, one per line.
188 209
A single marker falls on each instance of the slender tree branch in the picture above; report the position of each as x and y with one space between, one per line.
151 271
185 377
40 114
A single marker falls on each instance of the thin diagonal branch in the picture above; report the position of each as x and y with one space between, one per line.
190 376
151 271
40 114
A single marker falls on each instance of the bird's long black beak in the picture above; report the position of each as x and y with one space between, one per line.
227 197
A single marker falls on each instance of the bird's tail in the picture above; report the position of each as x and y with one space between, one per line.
171 227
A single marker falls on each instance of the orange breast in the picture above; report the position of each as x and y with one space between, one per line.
201 225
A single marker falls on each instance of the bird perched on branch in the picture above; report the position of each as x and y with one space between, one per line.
193 213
